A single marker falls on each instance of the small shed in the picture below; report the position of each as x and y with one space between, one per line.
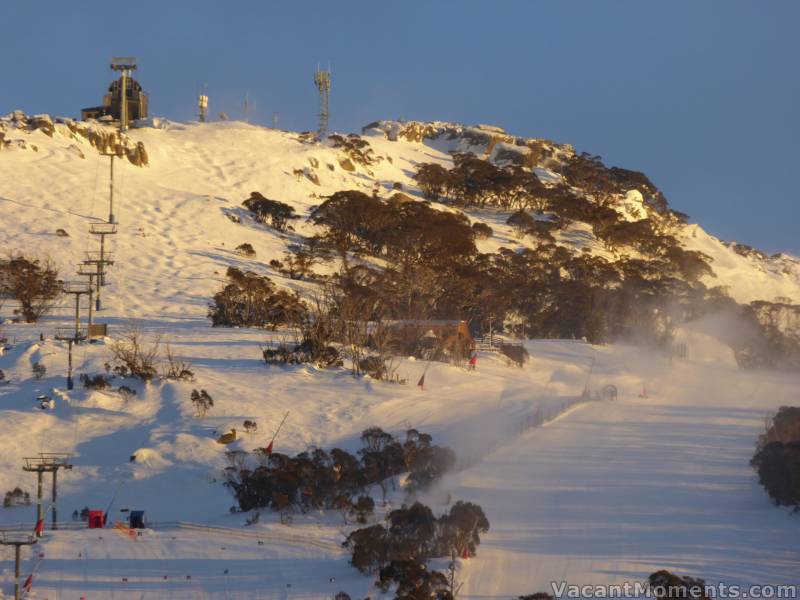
97 519
136 519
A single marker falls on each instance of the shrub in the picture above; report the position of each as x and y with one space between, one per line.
413 580
202 402
94 382
460 529
135 356
362 508
250 426
368 548
16 497
357 149
320 480
777 457
482 230
374 366
39 370
250 300
307 351
412 537
176 368
516 353
126 392
245 250
31 282
277 214
667 586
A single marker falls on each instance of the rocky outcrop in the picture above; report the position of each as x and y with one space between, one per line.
106 139
487 141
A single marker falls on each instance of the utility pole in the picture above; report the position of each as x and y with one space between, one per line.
47 462
18 543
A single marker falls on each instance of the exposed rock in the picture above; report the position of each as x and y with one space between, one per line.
42 122
347 164
106 139
489 141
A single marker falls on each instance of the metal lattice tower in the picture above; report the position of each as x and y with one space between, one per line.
123 64
322 79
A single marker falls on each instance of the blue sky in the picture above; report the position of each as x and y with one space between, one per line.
700 95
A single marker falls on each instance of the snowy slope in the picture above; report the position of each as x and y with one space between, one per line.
546 493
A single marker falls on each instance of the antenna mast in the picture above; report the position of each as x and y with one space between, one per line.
322 79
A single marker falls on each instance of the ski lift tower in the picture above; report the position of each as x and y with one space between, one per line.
18 541
99 260
123 64
77 289
322 79
90 272
47 462
102 230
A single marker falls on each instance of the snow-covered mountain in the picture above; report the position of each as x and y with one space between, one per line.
582 498
194 177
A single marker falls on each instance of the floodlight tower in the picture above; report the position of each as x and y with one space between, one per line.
123 64
322 79
202 107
